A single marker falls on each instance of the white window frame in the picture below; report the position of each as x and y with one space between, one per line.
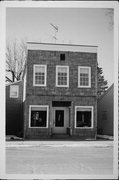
89 68
11 89
57 85
47 107
92 119
40 65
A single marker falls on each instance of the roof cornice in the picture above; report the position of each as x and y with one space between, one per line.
61 47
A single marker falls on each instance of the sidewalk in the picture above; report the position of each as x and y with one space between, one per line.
59 143
105 137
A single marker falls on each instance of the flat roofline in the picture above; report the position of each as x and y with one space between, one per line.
60 44
61 47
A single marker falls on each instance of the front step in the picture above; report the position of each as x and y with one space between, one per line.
60 136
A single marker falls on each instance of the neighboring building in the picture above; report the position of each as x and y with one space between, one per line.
60 91
105 112
14 108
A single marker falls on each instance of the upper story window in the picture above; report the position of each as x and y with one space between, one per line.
39 73
62 57
62 76
84 76
14 90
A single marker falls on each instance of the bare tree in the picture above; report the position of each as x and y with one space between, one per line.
16 53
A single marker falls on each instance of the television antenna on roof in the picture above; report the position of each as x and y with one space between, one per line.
56 28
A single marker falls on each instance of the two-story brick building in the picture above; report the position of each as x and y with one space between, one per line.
60 91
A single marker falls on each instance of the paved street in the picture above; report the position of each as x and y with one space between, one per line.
59 157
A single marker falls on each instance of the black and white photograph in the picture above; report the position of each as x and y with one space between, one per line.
60 83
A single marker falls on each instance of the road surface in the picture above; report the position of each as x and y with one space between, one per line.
60 157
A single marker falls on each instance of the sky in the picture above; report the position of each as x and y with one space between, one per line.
82 26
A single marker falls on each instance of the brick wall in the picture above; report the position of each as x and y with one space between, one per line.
47 100
73 60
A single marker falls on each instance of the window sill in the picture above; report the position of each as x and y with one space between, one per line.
39 85
38 127
83 127
84 86
62 86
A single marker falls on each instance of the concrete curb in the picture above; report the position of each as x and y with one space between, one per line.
58 144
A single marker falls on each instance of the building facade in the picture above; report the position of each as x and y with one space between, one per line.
105 112
14 108
60 91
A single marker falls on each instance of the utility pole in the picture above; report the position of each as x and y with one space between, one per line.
56 31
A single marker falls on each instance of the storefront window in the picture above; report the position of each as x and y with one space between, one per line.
84 117
38 116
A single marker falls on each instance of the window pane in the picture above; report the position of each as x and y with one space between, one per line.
14 91
84 70
38 117
62 57
40 75
62 69
62 75
39 79
84 77
83 118
40 69
59 118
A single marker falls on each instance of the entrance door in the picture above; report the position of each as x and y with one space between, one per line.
60 120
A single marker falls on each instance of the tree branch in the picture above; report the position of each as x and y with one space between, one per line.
8 79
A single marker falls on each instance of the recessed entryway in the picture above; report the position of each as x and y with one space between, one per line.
60 120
